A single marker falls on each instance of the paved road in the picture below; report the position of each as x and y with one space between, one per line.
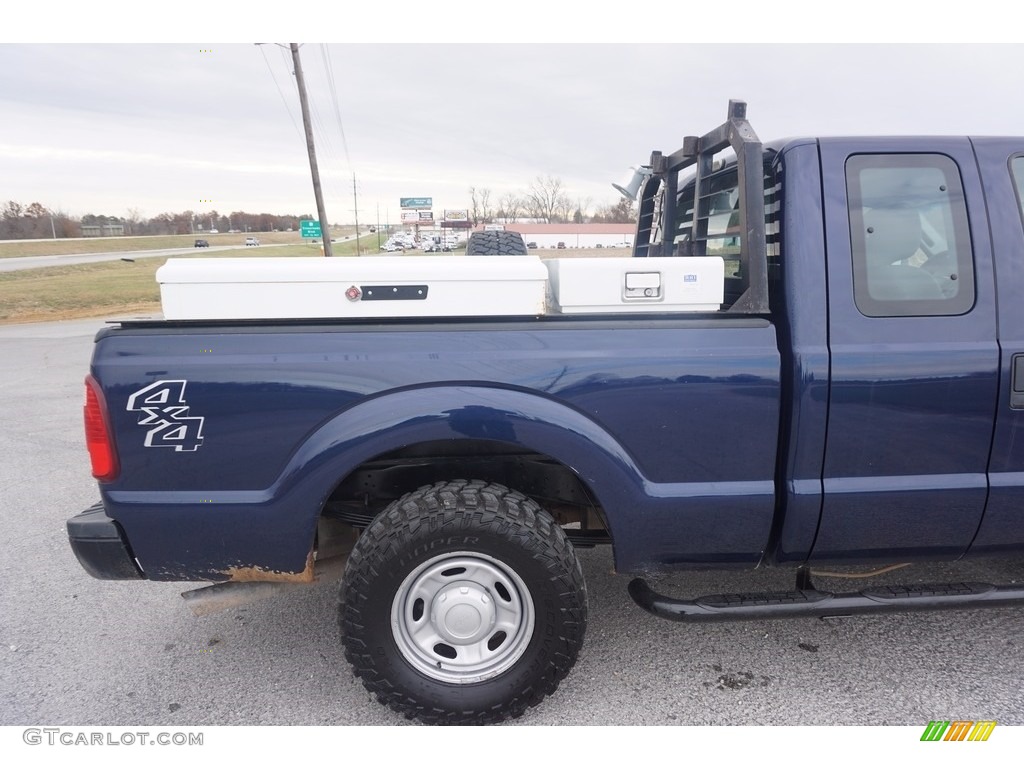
16 263
74 650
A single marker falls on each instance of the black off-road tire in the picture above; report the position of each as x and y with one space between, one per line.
496 243
515 561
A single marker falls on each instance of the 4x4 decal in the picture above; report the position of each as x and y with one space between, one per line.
162 408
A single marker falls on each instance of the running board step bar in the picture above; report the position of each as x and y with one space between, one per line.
808 601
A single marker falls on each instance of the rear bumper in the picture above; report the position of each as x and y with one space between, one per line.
100 546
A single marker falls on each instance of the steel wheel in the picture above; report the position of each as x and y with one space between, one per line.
462 603
462 618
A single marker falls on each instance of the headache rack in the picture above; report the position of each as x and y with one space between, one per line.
657 226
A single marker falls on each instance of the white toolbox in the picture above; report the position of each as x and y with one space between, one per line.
676 284
375 286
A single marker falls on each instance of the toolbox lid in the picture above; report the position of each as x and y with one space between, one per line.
389 269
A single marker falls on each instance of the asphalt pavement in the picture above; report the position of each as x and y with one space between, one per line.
16 263
74 650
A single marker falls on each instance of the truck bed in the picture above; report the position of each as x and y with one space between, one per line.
290 409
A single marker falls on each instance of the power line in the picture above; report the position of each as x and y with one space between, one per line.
274 78
331 152
325 54
328 179
324 135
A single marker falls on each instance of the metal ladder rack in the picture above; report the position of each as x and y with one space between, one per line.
656 222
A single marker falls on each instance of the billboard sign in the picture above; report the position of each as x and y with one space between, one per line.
426 215
410 217
456 215
416 202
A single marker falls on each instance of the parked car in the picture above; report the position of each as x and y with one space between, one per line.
531 244
202 244
560 246
252 241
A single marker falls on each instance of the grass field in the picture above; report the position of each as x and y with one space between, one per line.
111 287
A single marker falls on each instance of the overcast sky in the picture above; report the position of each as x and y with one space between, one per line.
160 127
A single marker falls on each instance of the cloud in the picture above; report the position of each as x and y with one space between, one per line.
156 126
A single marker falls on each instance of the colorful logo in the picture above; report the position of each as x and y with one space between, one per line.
958 730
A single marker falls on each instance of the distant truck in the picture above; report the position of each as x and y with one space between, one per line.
814 356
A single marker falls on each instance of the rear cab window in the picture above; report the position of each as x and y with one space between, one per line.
718 221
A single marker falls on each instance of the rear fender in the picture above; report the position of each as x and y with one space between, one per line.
399 419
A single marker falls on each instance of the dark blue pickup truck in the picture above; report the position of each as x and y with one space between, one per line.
858 398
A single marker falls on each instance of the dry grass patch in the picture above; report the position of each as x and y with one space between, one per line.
110 287
81 290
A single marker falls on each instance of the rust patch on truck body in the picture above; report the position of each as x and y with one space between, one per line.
258 573
226 594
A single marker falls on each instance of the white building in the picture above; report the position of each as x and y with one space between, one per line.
573 235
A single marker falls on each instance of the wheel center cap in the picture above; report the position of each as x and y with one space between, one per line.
463 621
463 613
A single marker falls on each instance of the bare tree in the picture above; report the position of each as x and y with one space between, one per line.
132 221
582 207
485 205
545 197
510 207
532 207
622 212
474 206
24 222
563 207
38 221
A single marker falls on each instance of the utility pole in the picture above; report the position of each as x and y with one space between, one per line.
378 226
355 202
320 210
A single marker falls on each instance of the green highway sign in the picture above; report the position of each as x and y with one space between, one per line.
309 228
416 202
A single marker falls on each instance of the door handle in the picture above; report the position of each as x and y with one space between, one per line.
1017 382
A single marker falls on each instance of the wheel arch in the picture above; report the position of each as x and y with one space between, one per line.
395 424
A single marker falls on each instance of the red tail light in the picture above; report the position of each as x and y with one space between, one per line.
97 433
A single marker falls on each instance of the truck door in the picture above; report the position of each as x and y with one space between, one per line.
1001 162
914 358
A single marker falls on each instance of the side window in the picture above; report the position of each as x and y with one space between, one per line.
909 236
1017 169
